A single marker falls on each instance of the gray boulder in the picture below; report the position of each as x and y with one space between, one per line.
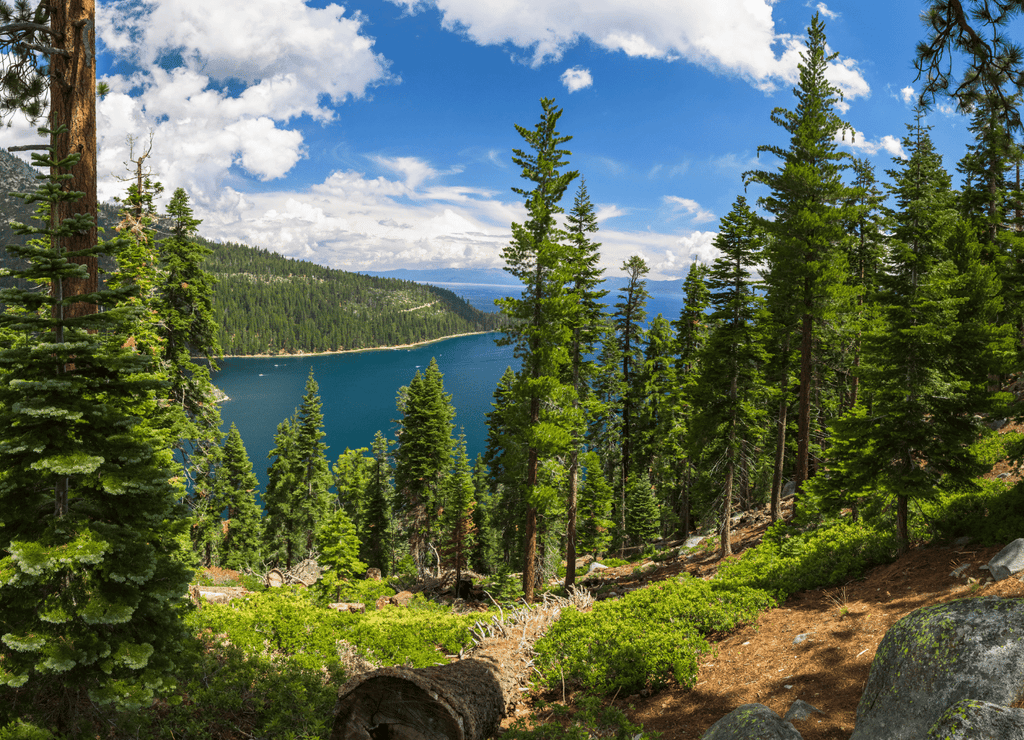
1009 561
936 656
978 720
752 722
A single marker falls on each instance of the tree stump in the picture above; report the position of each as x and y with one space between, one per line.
458 701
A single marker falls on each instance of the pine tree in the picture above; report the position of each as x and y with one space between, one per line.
630 313
806 206
459 496
379 524
657 420
505 456
91 585
423 457
237 489
927 364
691 331
587 324
733 359
539 256
298 490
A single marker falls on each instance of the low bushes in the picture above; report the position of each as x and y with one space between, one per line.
787 562
650 636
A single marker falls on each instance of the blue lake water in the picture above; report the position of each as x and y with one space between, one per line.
358 389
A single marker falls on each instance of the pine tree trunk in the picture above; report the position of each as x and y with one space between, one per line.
803 436
73 104
570 527
463 700
902 534
530 533
780 434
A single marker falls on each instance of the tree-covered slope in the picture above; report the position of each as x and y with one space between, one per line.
267 303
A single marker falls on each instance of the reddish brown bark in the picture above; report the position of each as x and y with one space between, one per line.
73 104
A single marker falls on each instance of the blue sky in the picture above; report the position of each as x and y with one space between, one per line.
378 135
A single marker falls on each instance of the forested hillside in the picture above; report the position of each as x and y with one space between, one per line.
268 303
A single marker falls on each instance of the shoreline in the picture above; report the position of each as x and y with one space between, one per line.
366 349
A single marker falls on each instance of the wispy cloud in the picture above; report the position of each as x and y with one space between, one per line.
690 207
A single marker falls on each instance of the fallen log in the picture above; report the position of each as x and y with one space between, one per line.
463 700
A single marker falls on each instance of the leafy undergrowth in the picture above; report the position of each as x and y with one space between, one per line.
649 637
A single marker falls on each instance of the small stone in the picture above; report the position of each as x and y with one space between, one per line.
801 638
800 710
787 686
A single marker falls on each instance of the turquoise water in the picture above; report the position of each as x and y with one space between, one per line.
358 392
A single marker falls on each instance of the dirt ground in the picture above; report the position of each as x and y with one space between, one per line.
761 663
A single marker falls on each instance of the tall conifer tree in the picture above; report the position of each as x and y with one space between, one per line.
734 357
91 585
806 205
237 489
539 255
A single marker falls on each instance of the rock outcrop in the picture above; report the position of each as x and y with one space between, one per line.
752 722
937 656
978 720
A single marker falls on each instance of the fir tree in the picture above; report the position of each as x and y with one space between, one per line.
237 484
379 525
337 544
91 588
539 256
642 517
424 454
596 496
734 356
806 206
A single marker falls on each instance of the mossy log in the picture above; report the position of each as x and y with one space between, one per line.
464 700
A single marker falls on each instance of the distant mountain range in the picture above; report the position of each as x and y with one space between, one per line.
459 276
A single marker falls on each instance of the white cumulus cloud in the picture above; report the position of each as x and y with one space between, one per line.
735 37
860 143
577 78
908 94
284 60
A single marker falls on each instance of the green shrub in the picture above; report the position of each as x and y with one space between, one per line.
421 634
19 730
786 562
650 636
992 514
591 722
363 591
